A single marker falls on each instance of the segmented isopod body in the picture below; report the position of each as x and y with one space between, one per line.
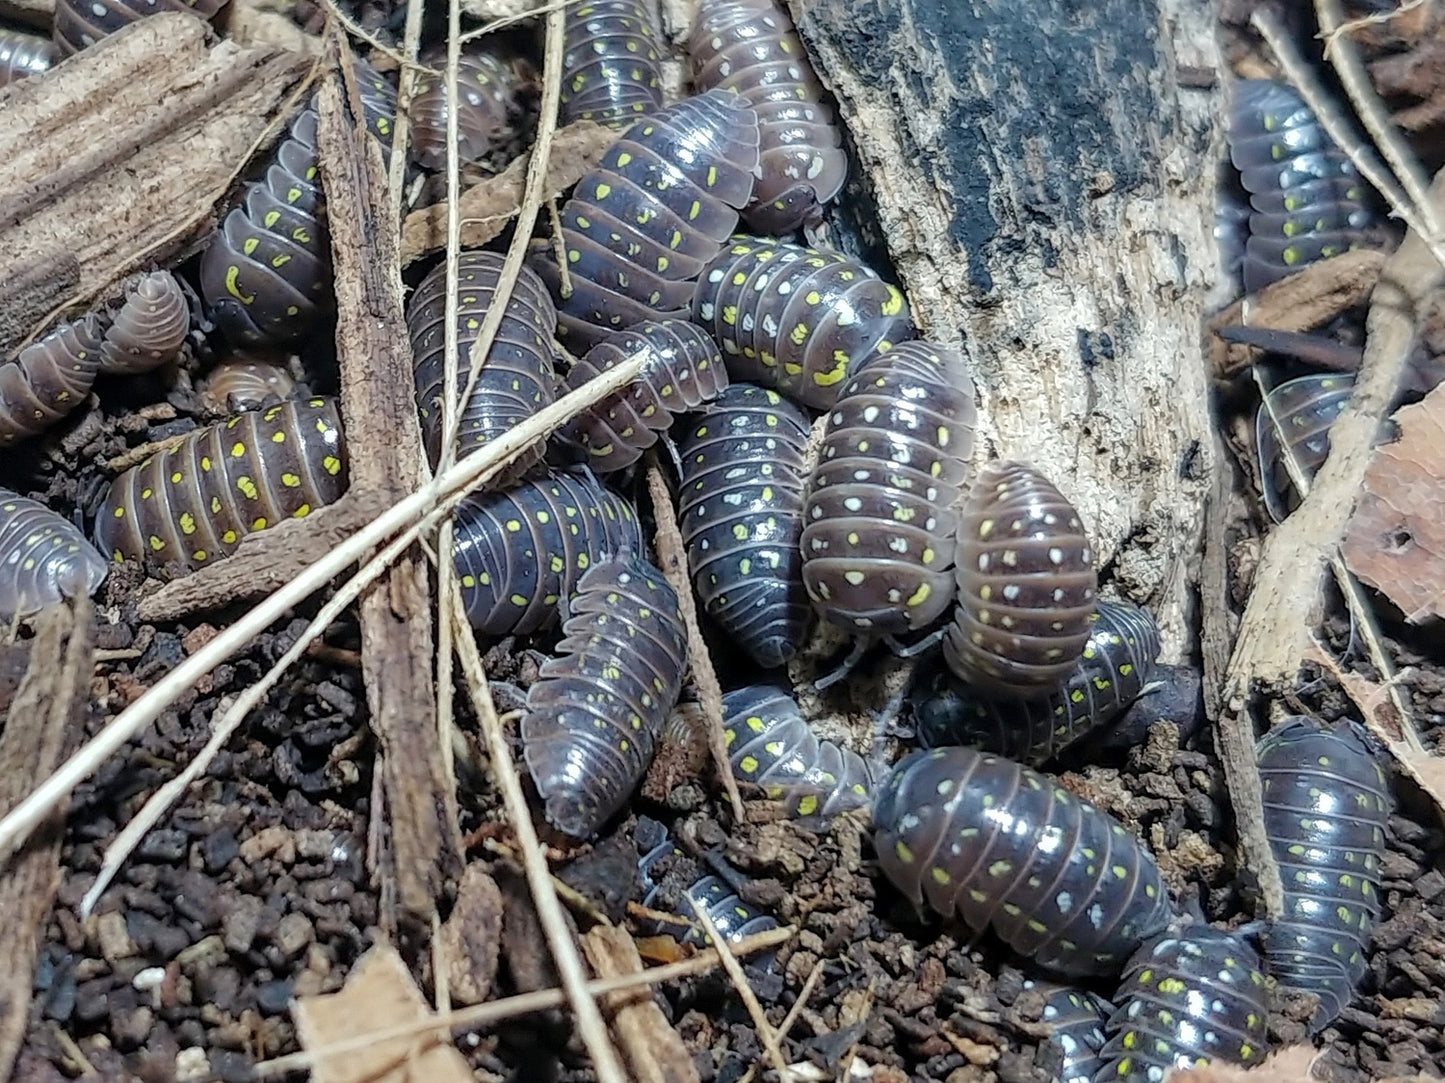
750 46
879 517
597 708
1305 407
149 328
1189 996
640 227
23 55
266 275
82 23
681 371
740 507
1309 201
520 552
798 319
243 383
488 109
610 63
771 745
192 504
517 378
1075 1018
1326 803
1026 585
1118 662
1008 849
44 558
49 379
735 919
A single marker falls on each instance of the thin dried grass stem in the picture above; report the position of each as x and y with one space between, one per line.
766 1034
605 1061
450 487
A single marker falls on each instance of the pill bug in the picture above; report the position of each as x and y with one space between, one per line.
488 108
740 508
1309 202
1117 664
517 378
750 46
49 378
1005 848
1304 408
879 515
595 712
266 274
771 745
1026 585
1189 996
23 55
81 23
639 228
734 918
518 553
1075 1018
149 328
1326 803
797 319
611 70
681 371
244 383
193 503
44 558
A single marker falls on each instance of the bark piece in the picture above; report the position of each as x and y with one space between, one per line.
383 433
45 725
1396 536
472 937
1045 186
379 994
652 1048
117 157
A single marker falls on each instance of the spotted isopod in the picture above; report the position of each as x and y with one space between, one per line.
610 63
798 319
1305 408
1026 585
193 503
1005 848
44 558
1326 805
597 708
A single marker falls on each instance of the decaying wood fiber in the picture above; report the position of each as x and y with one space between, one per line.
115 159
1046 190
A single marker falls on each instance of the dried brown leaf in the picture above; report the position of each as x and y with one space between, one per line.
472 936
1396 537
378 994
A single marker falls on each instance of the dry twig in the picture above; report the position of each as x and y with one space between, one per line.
766 1034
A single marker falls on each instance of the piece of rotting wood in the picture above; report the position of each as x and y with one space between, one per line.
45 725
1045 186
115 159
383 433
653 1049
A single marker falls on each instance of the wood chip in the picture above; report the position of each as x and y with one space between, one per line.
1395 541
486 208
45 725
116 158
379 994
652 1048
383 434
1291 1065
472 936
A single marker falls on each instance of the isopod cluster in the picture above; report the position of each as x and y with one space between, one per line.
828 482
